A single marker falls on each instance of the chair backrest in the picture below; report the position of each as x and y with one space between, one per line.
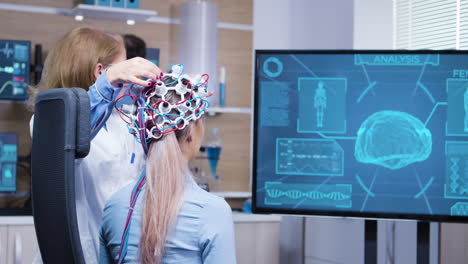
61 133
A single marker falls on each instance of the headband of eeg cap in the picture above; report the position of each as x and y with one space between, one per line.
152 114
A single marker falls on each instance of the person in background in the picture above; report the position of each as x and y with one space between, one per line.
135 46
174 220
87 57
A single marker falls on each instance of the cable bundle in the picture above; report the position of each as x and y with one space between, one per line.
125 235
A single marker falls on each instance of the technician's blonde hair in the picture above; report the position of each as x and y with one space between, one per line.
71 62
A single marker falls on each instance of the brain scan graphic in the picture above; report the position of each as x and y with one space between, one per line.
393 140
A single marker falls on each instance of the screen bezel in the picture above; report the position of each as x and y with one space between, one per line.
13 211
365 215
28 77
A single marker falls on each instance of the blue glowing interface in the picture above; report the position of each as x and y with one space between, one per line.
364 134
14 69
8 159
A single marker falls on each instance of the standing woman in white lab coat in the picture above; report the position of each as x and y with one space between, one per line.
87 57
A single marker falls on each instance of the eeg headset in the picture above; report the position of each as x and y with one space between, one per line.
151 115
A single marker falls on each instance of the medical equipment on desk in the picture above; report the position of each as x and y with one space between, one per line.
222 86
213 148
199 174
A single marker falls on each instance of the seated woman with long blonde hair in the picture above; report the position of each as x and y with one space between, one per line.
165 217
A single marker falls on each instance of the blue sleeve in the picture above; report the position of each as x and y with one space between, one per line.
217 233
105 250
101 96
104 254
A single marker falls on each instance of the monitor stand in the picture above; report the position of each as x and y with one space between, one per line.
423 240
370 242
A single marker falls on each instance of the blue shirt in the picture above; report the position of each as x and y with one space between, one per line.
203 232
101 97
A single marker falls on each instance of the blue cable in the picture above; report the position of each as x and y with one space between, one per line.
179 74
165 128
133 198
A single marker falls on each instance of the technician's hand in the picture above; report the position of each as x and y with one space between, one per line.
131 71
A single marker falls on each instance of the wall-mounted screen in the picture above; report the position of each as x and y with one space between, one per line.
14 69
377 134
8 159
152 55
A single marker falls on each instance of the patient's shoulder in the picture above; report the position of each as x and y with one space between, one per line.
119 198
207 202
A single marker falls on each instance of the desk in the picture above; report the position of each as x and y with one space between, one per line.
257 238
18 243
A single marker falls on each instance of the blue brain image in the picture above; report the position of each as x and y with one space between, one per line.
392 139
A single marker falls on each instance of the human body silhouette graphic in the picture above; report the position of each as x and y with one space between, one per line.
320 103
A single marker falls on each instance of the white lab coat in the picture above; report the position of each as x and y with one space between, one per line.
105 170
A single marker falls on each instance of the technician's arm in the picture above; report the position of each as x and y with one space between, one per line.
103 92
217 239
100 96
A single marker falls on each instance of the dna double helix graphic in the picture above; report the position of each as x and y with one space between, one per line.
454 176
459 208
314 195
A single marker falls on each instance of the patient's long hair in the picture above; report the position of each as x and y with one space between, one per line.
166 172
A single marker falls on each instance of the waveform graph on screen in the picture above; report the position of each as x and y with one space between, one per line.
328 195
6 50
319 157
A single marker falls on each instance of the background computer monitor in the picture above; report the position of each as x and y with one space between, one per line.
14 69
8 161
375 134
152 54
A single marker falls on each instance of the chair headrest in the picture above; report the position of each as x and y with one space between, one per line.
82 108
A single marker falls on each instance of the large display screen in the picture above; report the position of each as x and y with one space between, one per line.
377 134
14 69
8 159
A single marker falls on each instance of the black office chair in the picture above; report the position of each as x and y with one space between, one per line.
61 133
